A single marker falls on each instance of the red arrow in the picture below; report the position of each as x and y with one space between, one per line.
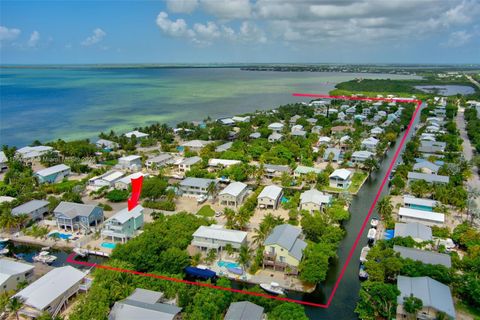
136 191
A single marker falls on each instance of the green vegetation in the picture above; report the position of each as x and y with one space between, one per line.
117 195
206 211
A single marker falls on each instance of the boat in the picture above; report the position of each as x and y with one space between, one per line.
81 252
45 248
362 274
374 222
371 234
364 253
4 251
3 240
235 271
200 273
272 287
44 257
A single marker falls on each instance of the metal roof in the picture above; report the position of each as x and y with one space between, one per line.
413 229
271 191
427 165
131 309
244 310
197 182
234 188
277 167
419 201
433 294
428 177
3 157
41 293
427 257
222 162
10 268
128 179
224 147
137 134
72 210
305 170
195 143
129 158
421 214
371 141
160 158
315 196
190 161
52 170
287 237
219 233
362 154
29 206
144 295
343 174
124 215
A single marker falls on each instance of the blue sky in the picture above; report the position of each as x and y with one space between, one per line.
206 31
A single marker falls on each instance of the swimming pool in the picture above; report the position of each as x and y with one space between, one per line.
227 264
63 236
108 245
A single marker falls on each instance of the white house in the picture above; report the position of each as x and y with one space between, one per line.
12 273
132 162
136 133
3 161
216 237
29 154
370 144
276 126
314 200
123 225
187 163
125 182
195 145
35 209
197 186
361 156
376 132
427 218
340 178
270 197
53 174
106 144
233 194
222 162
159 161
274 137
324 140
107 179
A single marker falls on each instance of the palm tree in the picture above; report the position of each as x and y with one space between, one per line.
8 221
260 234
196 259
211 256
230 216
242 219
384 207
211 189
244 256
14 305
22 219
229 249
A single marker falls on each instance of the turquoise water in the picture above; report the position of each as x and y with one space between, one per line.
63 236
423 208
227 264
108 245
71 103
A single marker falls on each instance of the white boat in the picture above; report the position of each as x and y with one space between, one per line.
44 257
2 240
374 222
364 253
4 251
45 248
371 234
362 274
81 252
273 288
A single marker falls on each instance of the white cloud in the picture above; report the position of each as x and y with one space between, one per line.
250 32
177 28
458 39
9 34
33 40
208 31
96 37
227 10
182 6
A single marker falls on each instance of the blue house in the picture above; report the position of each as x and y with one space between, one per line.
76 216
53 174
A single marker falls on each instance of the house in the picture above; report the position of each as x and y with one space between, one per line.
12 273
123 225
297 127
197 187
418 231
270 197
314 200
216 237
233 194
426 167
430 178
436 297
284 248
312 121
132 162
241 119
324 140
29 154
3 161
419 204
226 121
195 145
106 144
303 170
222 162
274 137
425 217
359 117
51 292
107 179
274 170
137 134
361 156
299 133
317 129
187 163
426 257
370 144
159 161
223 147
35 209
376 132
340 178
276 127
294 119
125 182
77 216
332 154
432 146
53 174
255 135
144 304
341 116
244 310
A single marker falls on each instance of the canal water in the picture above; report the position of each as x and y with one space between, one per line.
346 296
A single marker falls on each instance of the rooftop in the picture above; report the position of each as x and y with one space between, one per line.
52 170
427 257
421 214
217 232
287 236
271 191
29 206
234 188
72 210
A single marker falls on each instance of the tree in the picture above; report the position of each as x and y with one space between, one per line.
288 311
371 165
229 249
314 265
244 256
154 188
211 256
377 300
412 305
385 207
117 195
14 305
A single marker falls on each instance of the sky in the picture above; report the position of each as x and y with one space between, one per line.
240 31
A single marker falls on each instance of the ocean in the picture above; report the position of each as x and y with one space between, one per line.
80 102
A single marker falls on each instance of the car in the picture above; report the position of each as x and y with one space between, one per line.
218 214
201 199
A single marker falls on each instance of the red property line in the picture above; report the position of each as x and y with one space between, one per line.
71 257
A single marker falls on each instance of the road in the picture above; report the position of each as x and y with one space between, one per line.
473 81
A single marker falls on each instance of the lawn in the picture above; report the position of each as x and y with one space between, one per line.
206 211
110 162
358 179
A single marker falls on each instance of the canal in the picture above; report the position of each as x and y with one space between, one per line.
346 296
